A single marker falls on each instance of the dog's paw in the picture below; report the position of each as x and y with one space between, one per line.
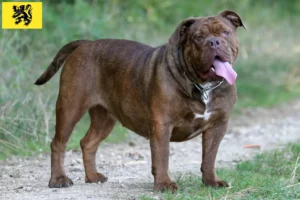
164 186
216 183
60 182
95 178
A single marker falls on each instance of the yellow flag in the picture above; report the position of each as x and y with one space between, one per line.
22 15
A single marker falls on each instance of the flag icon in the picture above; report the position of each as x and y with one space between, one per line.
22 15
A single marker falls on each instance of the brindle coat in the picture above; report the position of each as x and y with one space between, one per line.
150 91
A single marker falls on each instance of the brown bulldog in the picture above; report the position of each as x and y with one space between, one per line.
173 92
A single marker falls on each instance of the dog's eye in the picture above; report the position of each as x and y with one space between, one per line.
226 33
199 38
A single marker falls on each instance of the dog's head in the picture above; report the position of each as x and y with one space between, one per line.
210 45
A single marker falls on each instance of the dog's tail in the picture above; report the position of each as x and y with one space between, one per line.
59 59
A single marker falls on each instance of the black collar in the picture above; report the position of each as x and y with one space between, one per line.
202 89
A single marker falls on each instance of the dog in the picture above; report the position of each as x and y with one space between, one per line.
173 92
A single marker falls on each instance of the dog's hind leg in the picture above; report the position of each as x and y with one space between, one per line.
68 112
101 125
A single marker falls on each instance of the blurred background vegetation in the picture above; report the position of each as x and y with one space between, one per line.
268 64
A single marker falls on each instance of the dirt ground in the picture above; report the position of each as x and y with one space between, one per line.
128 166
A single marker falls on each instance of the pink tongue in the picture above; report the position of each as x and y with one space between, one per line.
225 70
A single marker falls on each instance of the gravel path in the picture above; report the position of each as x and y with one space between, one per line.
128 166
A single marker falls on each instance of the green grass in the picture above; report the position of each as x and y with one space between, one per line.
267 65
269 175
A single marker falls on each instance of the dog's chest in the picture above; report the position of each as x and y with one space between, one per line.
207 112
197 120
203 107
202 113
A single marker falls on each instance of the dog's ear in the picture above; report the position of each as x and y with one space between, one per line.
180 33
233 17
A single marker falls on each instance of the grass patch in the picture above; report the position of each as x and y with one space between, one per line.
265 86
268 64
270 175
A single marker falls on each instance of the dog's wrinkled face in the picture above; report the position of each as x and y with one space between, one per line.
210 45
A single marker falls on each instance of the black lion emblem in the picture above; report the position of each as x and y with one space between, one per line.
22 12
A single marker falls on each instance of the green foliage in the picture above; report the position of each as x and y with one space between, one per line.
269 175
267 65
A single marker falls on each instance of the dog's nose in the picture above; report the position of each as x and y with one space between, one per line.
214 42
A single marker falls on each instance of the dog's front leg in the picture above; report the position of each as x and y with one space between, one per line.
159 143
211 140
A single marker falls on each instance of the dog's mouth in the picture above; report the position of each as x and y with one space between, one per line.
220 68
